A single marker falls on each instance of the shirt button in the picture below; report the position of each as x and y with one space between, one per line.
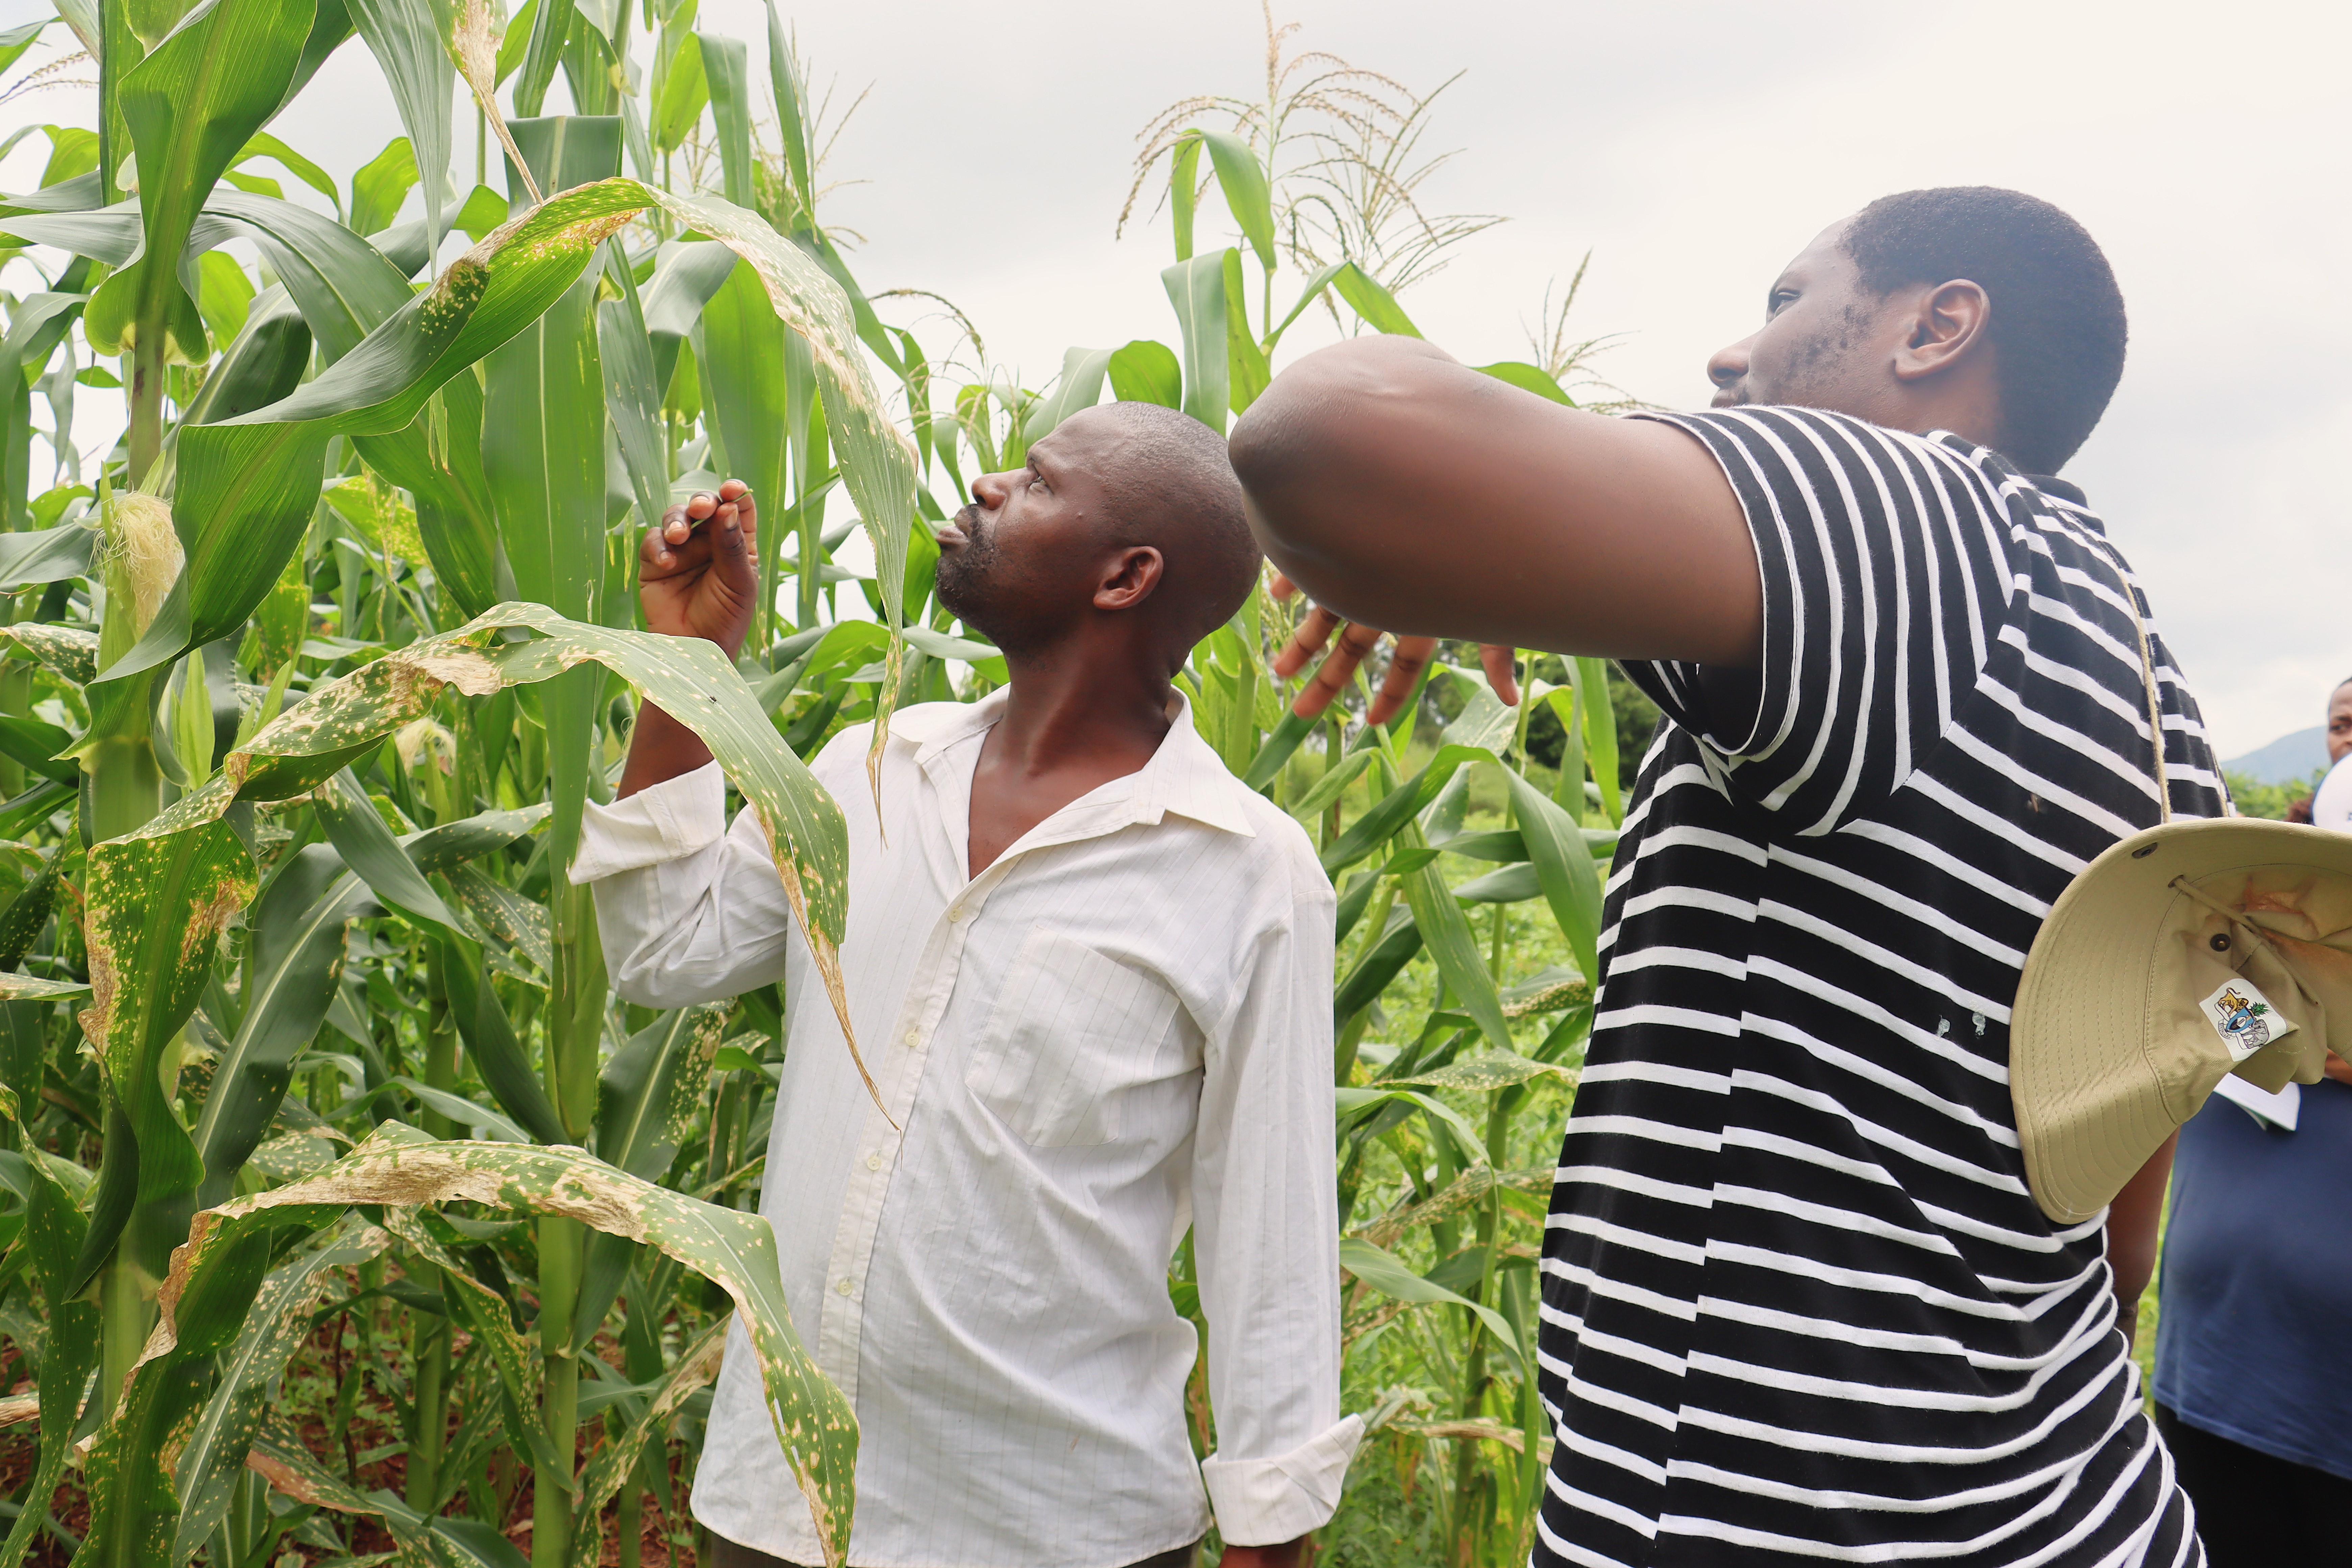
956 914
914 1037
873 1162
845 1286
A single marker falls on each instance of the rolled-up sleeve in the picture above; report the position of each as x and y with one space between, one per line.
1266 1238
688 910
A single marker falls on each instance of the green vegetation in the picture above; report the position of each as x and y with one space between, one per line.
2271 800
344 1212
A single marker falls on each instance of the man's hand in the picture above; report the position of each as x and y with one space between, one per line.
698 576
1289 1555
1412 656
698 572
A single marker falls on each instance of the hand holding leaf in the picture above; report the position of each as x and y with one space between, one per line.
698 573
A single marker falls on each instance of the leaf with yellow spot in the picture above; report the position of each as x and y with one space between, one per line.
686 677
247 487
216 1275
154 904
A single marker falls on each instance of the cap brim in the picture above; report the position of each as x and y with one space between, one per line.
2091 1109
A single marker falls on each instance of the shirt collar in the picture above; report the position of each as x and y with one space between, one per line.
1185 775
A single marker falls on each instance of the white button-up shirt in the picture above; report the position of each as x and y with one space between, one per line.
1121 1028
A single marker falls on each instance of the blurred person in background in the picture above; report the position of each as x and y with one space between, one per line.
2253 1365
2254 1369
2331 805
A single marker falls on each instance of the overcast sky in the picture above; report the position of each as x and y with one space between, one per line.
1693 148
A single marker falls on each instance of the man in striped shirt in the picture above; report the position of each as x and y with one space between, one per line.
1799 1305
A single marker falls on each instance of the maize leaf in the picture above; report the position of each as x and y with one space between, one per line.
454 843
368 848
506 914
695 1368
1456 950
296 956
277 1324
1243 179
55 1231
649 1093
1591 678
155 903
1385 1272
265 363
1564 868
742 348
280 1457
727 68
215 1272
190 106
1080 387
483 1313
405 38
1146 372
633 398
1197 288
497 1049
544 458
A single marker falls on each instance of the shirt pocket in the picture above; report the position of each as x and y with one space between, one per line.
1070 1030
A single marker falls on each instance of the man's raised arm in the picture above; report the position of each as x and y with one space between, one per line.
1406 491
698 576
686 911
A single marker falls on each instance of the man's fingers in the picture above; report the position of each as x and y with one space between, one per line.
681 541
659 556
678 524
747 513
1281 587
1501 671
1333 676
1305 642
1412 656
732 547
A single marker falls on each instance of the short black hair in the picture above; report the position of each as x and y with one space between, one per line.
2057 326
1176 490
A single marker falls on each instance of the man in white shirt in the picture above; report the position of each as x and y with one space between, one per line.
1091 975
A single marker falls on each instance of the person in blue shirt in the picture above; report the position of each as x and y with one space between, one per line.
2253 1359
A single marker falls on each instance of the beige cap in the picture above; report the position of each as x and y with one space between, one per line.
2180 956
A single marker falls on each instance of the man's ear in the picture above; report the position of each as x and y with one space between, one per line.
1132 574
1948 325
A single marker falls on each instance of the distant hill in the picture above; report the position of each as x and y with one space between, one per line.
2288 758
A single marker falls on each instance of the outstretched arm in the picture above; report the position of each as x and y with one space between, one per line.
1404 490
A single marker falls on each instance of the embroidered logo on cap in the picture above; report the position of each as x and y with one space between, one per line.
2244 1018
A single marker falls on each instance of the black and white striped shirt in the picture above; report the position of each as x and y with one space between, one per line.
1798 1304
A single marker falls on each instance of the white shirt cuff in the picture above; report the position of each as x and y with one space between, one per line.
667 822
1265 1502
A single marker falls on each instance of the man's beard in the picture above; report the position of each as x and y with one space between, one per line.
972 585
963 570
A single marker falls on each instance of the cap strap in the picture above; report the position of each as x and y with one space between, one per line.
2147 675
2181 884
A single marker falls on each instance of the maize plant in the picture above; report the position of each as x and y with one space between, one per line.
346 1213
